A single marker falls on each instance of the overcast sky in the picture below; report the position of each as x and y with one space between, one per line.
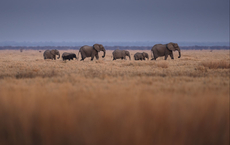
114 20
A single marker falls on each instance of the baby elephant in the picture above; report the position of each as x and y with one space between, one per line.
141 56
68 56
120 54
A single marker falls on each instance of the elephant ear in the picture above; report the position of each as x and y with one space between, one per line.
52 52
170 46
96 47
56 51
175 45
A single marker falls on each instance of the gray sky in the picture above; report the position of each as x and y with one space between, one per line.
114 20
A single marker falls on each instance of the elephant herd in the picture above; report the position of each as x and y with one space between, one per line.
157 50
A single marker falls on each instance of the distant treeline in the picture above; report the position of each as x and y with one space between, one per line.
109 47
109 43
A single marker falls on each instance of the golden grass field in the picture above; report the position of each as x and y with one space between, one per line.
178 102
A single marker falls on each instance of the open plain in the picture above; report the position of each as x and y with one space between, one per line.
180 101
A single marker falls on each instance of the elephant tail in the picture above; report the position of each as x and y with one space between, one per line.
78 54
44 56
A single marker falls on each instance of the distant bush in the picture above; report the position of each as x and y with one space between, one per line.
111 47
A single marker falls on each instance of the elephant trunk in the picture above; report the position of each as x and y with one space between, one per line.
104 53
179 53
58 55
129 57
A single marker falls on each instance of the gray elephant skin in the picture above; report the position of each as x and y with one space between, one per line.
141 56
91 51
51 54
159 50
120 54
68 56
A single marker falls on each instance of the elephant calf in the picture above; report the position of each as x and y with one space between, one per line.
51 54
120 54
68 56
141 56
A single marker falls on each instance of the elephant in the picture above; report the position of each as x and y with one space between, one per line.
141 56
91 51
68 56
51 54
165 50
120 54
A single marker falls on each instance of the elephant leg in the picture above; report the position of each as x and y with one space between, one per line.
94 53
82 56
92 57
154 56
171 55
97 57
114 58
166 56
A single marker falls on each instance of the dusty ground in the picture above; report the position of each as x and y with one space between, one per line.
180 101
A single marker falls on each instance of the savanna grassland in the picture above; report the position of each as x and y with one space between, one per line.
182 101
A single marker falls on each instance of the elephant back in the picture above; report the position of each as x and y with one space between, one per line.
46 54
138 56
117 53
65 54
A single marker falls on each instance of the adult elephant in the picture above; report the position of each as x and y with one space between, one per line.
141 56
91 51
68 56
120 54
165 50
51 54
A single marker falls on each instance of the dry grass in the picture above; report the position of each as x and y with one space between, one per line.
180 101
223 64
32 74
163 65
